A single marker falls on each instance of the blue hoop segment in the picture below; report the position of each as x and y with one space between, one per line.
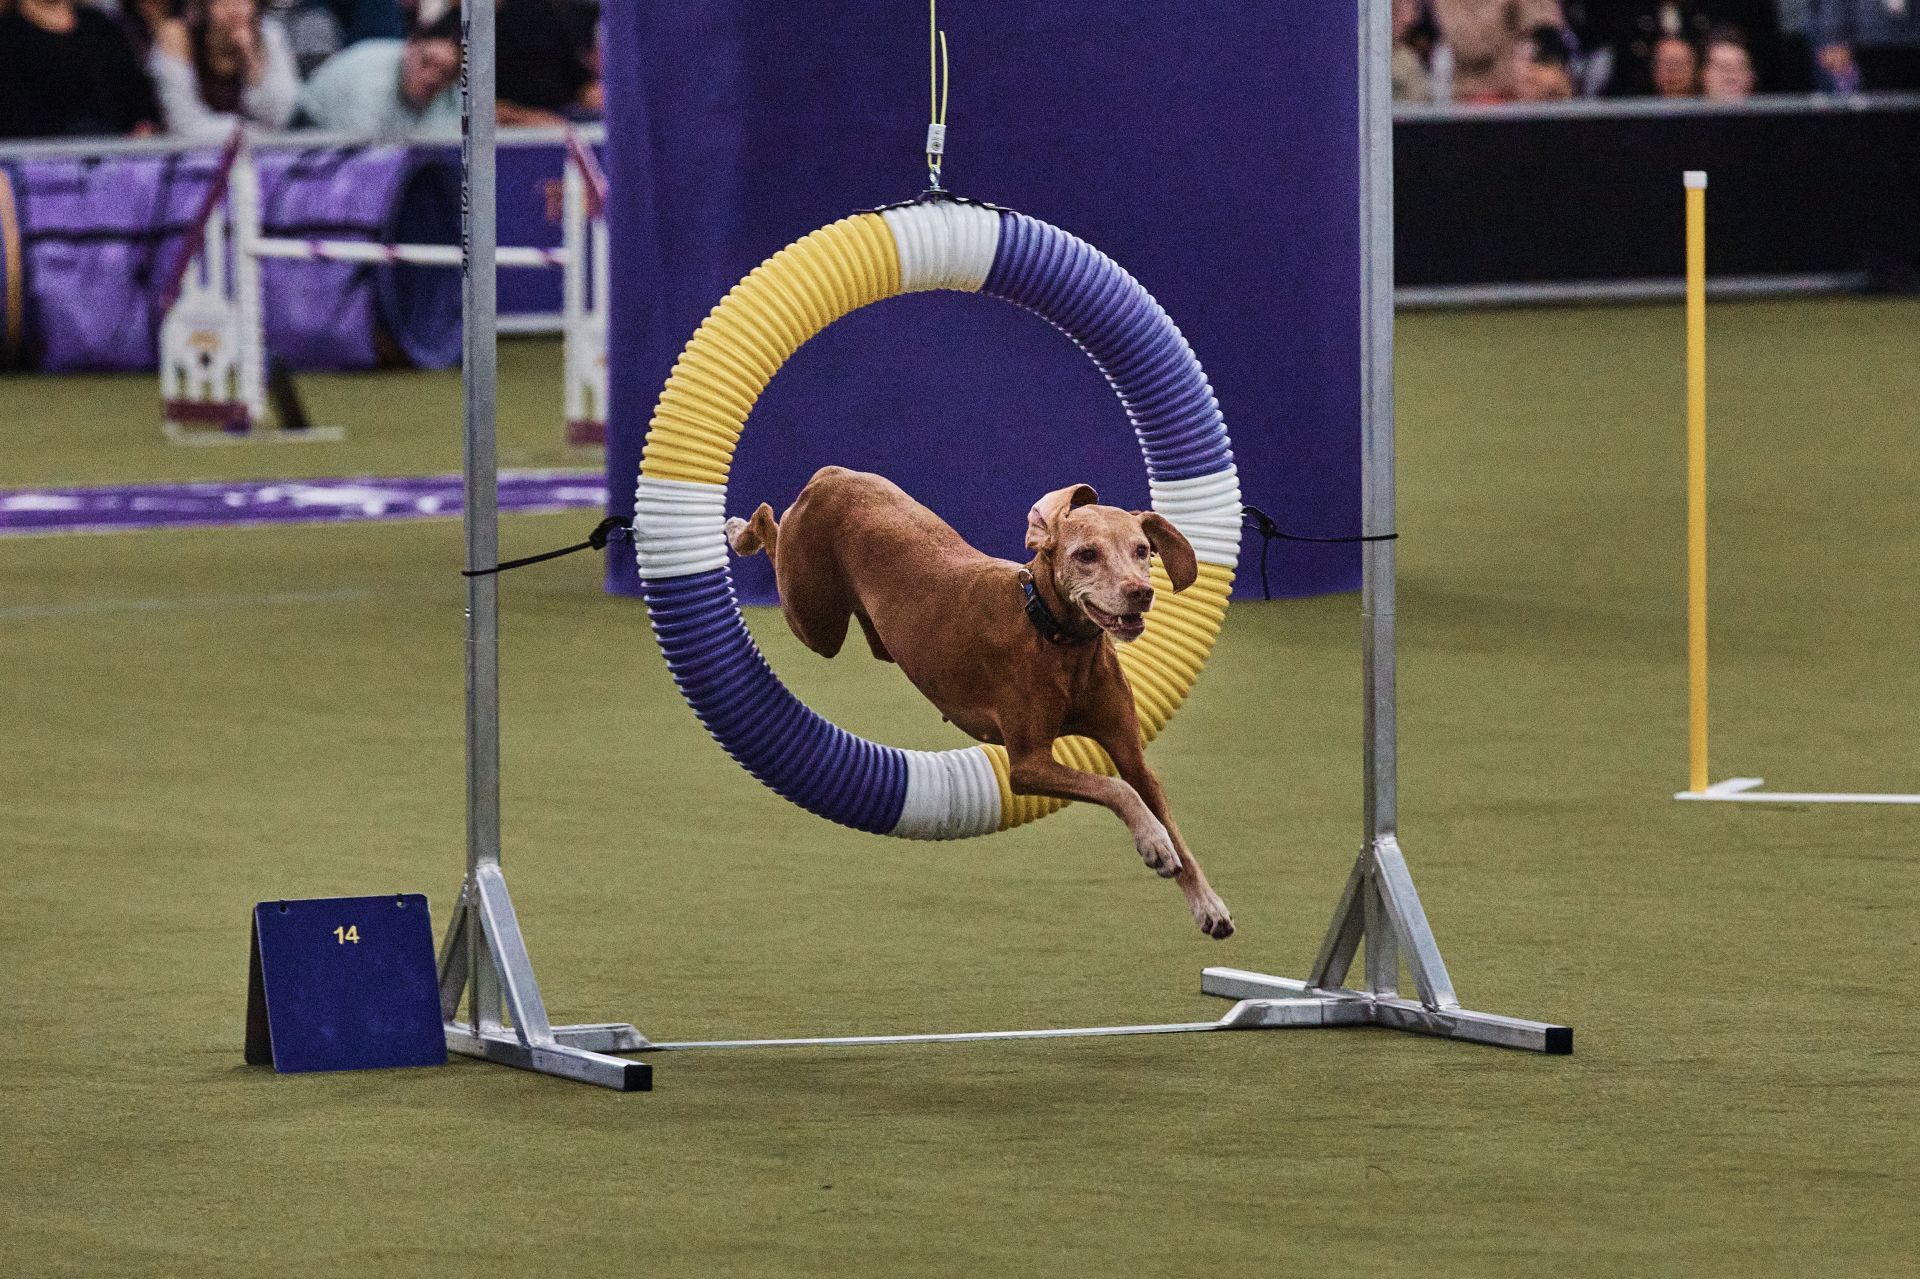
681 500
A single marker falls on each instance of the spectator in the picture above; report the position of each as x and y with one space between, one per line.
544 76
223 63
1632 30
141 18
390 88
1411 31
368 20
67 69
312 31
1482 35
1543 67
1676 68
1868 44
1726 71
1785 63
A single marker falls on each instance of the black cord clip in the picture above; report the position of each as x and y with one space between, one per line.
615 528
1262 523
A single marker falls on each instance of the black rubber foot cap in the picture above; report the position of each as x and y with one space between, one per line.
1560 1040
638 1077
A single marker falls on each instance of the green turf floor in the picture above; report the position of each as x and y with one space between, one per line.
197 720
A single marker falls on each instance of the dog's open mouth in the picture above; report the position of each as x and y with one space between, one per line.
1125 627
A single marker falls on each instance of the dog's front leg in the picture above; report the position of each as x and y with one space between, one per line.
1208 910
1032 770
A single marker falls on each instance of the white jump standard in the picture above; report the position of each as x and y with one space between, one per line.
1742 790
213 356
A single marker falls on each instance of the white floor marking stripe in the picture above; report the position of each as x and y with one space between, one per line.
1745 790
182 603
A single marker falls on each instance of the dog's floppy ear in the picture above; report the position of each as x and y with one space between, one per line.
1171 545
1042 515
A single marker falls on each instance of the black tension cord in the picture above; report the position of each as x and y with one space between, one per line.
615 528
620 529
1269 532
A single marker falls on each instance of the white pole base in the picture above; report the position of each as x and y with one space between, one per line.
1747 790
198 436
1282 1001
573 1052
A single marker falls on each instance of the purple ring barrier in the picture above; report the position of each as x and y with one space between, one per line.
97 239
340 315
774 736
1079 290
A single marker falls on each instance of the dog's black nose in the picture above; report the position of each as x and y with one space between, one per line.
1139 596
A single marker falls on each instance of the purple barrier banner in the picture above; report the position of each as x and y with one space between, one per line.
1212 151
135 507
528 213
96 239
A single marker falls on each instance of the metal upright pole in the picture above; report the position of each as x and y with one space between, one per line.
1379 908
484 955
1381 794
479 381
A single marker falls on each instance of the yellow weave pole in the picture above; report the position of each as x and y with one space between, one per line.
1696 187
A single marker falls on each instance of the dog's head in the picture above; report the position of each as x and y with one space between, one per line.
1098 555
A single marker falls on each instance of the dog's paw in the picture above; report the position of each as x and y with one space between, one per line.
1157 850
1211 914
735 526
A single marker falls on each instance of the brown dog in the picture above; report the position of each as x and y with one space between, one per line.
855 546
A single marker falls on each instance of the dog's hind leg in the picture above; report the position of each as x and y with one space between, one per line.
873 637
816 610
813 589
758 533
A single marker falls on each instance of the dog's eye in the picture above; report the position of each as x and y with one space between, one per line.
1086 555
1140 552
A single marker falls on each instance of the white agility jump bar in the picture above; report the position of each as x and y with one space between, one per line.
417 254
1745 790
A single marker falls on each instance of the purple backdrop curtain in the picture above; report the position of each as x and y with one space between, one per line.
1210 149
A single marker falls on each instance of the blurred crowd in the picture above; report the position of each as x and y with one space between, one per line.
192 68
1489 51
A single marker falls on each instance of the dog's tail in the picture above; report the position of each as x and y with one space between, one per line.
749 536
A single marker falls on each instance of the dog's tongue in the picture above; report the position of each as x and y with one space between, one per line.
1118 623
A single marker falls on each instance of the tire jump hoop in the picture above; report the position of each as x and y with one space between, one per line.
936 242
943 242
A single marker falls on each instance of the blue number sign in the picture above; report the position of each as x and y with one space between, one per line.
344 983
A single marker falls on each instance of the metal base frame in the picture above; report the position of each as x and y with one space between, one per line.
1746 790
1379 908
485 958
